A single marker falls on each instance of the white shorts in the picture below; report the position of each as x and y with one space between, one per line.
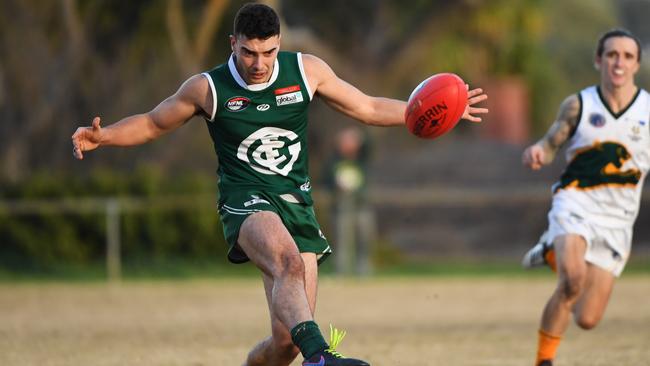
607 248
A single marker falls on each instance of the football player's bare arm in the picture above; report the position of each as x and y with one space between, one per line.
543 152
349 100
192 98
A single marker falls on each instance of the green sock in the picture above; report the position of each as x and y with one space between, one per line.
308 338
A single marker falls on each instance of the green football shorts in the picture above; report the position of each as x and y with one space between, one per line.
298 218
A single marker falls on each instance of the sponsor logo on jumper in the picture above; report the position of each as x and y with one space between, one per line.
237 104
263 107
288 89
290 98
270 150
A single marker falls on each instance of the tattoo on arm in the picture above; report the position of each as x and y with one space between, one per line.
562 128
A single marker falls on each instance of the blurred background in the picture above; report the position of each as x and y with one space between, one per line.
460 201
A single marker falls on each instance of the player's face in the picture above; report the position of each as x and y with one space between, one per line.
619 61
255 57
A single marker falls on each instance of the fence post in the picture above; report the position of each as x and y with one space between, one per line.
113 262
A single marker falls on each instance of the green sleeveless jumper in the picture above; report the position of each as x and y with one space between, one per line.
260 137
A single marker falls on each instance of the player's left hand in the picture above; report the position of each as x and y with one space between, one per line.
474 96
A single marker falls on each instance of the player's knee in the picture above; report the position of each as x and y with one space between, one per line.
291 264
587 322
570 288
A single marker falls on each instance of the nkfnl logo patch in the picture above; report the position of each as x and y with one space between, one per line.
288 95
597 120
237 104
270 150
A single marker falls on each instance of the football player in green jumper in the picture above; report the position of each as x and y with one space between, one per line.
255 107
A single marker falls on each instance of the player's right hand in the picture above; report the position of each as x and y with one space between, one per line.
86 139
533 157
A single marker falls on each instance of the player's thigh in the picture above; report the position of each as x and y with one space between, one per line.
570 252
267 242
591 305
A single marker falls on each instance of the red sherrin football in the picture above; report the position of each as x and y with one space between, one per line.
436 105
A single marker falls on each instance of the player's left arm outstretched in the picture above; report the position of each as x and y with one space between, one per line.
377 111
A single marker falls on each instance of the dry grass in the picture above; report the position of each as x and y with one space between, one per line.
436 321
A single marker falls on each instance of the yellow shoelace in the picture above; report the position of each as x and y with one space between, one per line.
336 336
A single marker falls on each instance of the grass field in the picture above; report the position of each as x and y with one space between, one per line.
390 321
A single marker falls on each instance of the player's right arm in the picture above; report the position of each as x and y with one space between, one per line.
543 151
192 98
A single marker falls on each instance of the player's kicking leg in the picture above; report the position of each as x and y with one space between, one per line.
268 244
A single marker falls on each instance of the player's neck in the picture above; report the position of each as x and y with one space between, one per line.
618 97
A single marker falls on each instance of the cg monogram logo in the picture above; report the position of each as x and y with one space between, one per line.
267 150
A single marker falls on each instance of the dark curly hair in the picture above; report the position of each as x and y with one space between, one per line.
256 21
617 32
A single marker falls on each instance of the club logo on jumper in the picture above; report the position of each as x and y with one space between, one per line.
431 117
263 107
270 150
237 104
597 120
602 164
642 122
288 95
